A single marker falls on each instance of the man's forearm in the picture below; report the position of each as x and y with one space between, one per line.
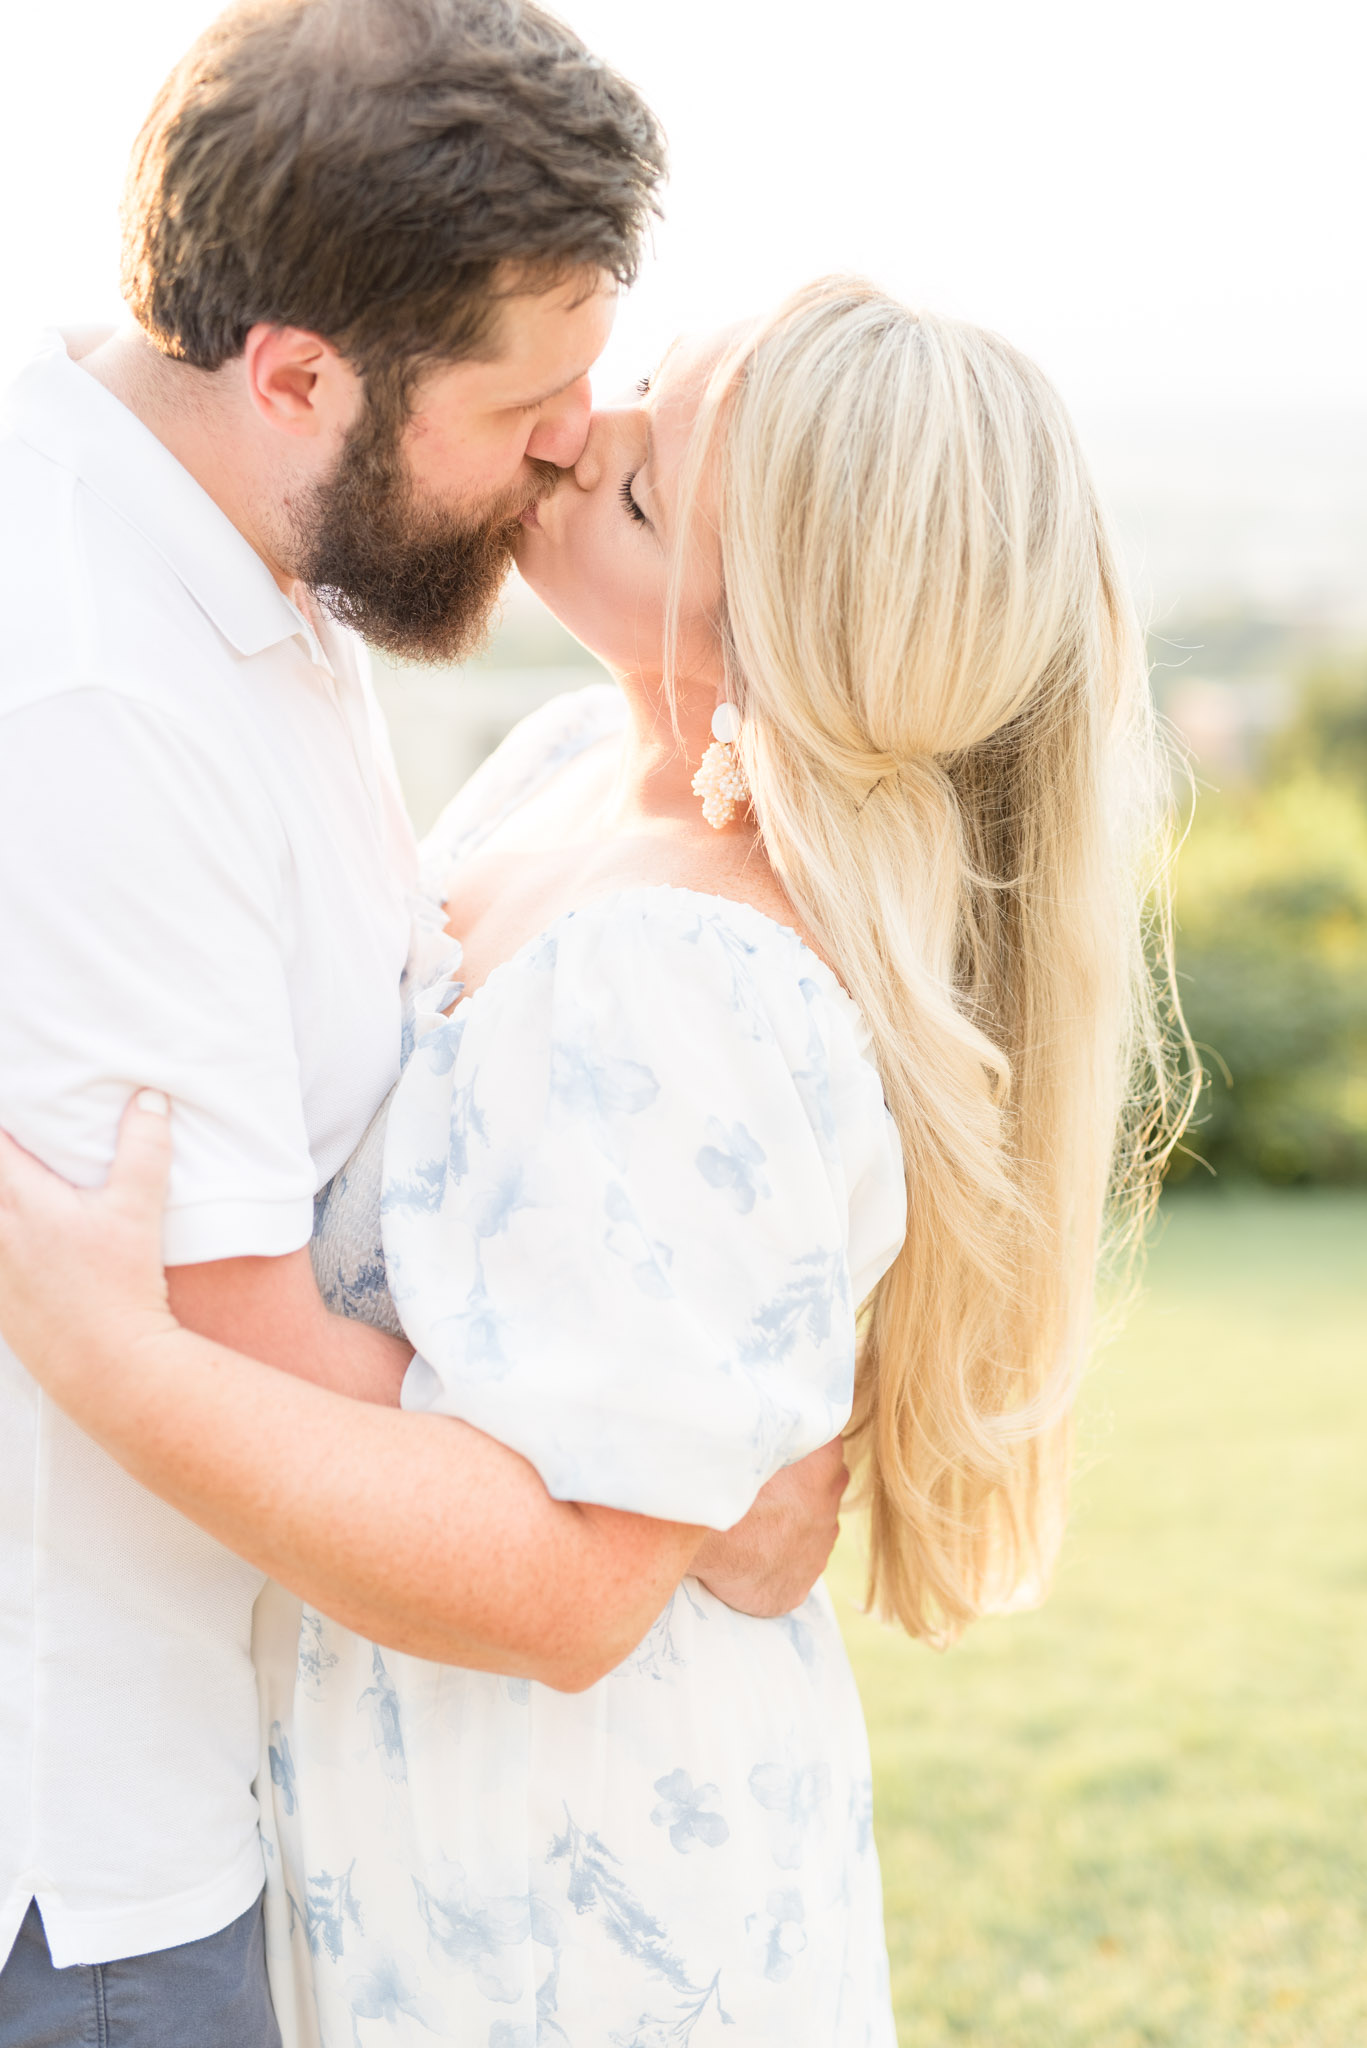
415 1530
271 1310
487 1571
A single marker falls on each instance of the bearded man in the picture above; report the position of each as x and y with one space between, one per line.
371 250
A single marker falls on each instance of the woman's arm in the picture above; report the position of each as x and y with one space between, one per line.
272 1310
416 1530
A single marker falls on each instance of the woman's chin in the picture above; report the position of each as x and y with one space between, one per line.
529 546
528 559
528 553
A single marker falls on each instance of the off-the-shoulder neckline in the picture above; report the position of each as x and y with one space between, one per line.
613 899
609 698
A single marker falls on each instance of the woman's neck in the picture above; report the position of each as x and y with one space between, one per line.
661 751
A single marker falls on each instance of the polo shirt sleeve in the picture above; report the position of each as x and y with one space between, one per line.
143 943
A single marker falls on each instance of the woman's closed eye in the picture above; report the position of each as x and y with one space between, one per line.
629 502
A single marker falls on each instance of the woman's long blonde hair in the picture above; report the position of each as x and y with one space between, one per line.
955 769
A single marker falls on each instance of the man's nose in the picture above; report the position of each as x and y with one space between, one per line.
562 426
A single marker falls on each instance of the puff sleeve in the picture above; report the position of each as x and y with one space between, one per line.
633 1189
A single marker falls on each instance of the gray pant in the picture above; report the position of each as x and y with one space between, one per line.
203 1994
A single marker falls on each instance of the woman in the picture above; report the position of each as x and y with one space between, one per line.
860 1033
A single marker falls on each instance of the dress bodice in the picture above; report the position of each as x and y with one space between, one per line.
347 1252
664 1108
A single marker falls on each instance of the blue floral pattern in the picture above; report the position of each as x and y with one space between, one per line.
626 1203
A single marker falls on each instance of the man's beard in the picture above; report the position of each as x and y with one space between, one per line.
413 579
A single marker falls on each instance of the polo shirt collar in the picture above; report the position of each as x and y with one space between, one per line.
65 414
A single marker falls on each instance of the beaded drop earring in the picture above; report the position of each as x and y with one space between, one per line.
719 781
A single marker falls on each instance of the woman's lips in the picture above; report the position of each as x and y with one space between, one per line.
528 515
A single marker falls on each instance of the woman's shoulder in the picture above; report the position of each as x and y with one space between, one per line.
537 747
709 1006
671 932
651 1137
686 984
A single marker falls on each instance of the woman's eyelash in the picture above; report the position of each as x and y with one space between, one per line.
643 386
629 502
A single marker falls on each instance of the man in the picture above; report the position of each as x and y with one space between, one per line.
372 248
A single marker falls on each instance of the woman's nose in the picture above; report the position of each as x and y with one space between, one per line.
588 470
616 438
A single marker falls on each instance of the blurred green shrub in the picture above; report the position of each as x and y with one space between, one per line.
1272 951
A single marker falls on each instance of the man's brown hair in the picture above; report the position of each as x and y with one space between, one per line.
377 171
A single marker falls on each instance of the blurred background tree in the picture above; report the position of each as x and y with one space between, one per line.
1272 944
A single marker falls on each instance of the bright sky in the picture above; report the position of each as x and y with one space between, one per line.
1163 202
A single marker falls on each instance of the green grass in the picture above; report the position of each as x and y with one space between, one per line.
1139 1816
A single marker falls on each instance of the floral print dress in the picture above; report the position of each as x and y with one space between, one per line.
627 1198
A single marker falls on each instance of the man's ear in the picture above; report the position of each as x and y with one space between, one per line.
299 384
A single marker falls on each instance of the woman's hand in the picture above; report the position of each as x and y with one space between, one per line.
414 1529
81 1277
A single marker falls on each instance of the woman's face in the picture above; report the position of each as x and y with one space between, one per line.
598 550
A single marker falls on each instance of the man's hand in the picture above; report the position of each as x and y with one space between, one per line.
768 1564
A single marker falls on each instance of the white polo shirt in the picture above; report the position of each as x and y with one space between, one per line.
204 876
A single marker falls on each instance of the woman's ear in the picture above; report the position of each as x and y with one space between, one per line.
299 384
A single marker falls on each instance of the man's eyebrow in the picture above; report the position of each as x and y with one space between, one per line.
555 391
